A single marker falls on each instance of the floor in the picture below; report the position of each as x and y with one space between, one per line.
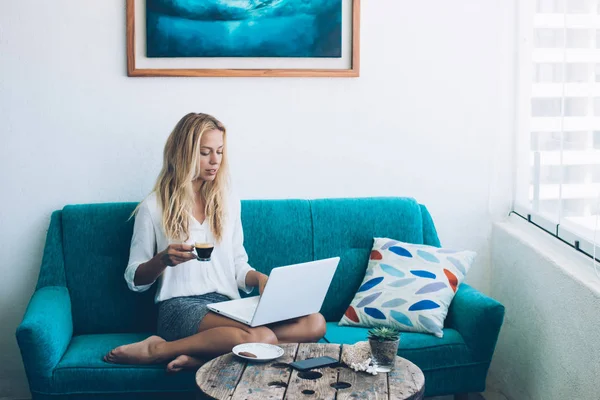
473 396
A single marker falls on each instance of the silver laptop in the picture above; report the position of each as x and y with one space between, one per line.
291 291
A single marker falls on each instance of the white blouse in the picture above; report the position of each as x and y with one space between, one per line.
224 274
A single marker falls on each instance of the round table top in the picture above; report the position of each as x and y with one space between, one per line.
231 377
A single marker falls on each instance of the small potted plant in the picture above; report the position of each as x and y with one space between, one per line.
384 346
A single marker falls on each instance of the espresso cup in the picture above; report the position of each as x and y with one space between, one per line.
204 250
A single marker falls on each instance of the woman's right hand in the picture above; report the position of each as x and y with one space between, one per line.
176 254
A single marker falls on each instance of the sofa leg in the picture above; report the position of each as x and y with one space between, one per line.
461 396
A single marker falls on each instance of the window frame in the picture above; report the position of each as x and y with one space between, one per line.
526 11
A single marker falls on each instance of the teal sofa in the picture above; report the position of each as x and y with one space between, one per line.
82 308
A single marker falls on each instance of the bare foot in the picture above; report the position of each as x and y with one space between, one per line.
183 362
143 352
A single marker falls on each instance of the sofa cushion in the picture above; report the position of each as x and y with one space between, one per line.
408 287
277 233
426 351
96 241
346 227
82 369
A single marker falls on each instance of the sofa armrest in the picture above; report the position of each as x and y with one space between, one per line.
46 330
478 318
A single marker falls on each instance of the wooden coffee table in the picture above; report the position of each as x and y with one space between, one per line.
231 377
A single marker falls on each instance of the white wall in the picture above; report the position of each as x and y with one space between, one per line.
434 99
548 347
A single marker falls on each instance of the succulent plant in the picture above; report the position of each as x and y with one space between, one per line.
384 334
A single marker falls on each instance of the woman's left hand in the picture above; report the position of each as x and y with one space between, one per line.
262 281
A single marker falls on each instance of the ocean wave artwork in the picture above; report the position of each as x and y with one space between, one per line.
244 28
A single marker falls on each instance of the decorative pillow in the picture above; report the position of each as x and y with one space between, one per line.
408 287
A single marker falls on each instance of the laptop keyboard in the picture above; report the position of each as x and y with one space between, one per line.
248 310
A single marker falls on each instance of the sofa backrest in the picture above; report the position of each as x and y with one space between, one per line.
346 228
96 238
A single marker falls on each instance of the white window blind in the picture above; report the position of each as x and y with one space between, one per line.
558 121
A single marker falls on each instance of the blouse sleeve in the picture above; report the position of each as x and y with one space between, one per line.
240 257
142 247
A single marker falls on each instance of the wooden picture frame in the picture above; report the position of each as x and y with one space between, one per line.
352 71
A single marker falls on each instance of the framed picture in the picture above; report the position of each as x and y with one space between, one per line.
285 38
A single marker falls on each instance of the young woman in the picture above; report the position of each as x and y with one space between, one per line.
192 202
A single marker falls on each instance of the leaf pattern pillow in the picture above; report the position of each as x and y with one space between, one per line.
408 287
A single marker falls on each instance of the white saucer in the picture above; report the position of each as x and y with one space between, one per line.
263 352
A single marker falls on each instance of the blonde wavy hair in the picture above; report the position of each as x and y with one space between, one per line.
181 166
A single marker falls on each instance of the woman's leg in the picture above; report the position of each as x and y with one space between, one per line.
217 335
306 329
211 321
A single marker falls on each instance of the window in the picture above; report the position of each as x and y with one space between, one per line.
558 120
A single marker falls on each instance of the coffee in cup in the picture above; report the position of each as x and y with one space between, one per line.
203 250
